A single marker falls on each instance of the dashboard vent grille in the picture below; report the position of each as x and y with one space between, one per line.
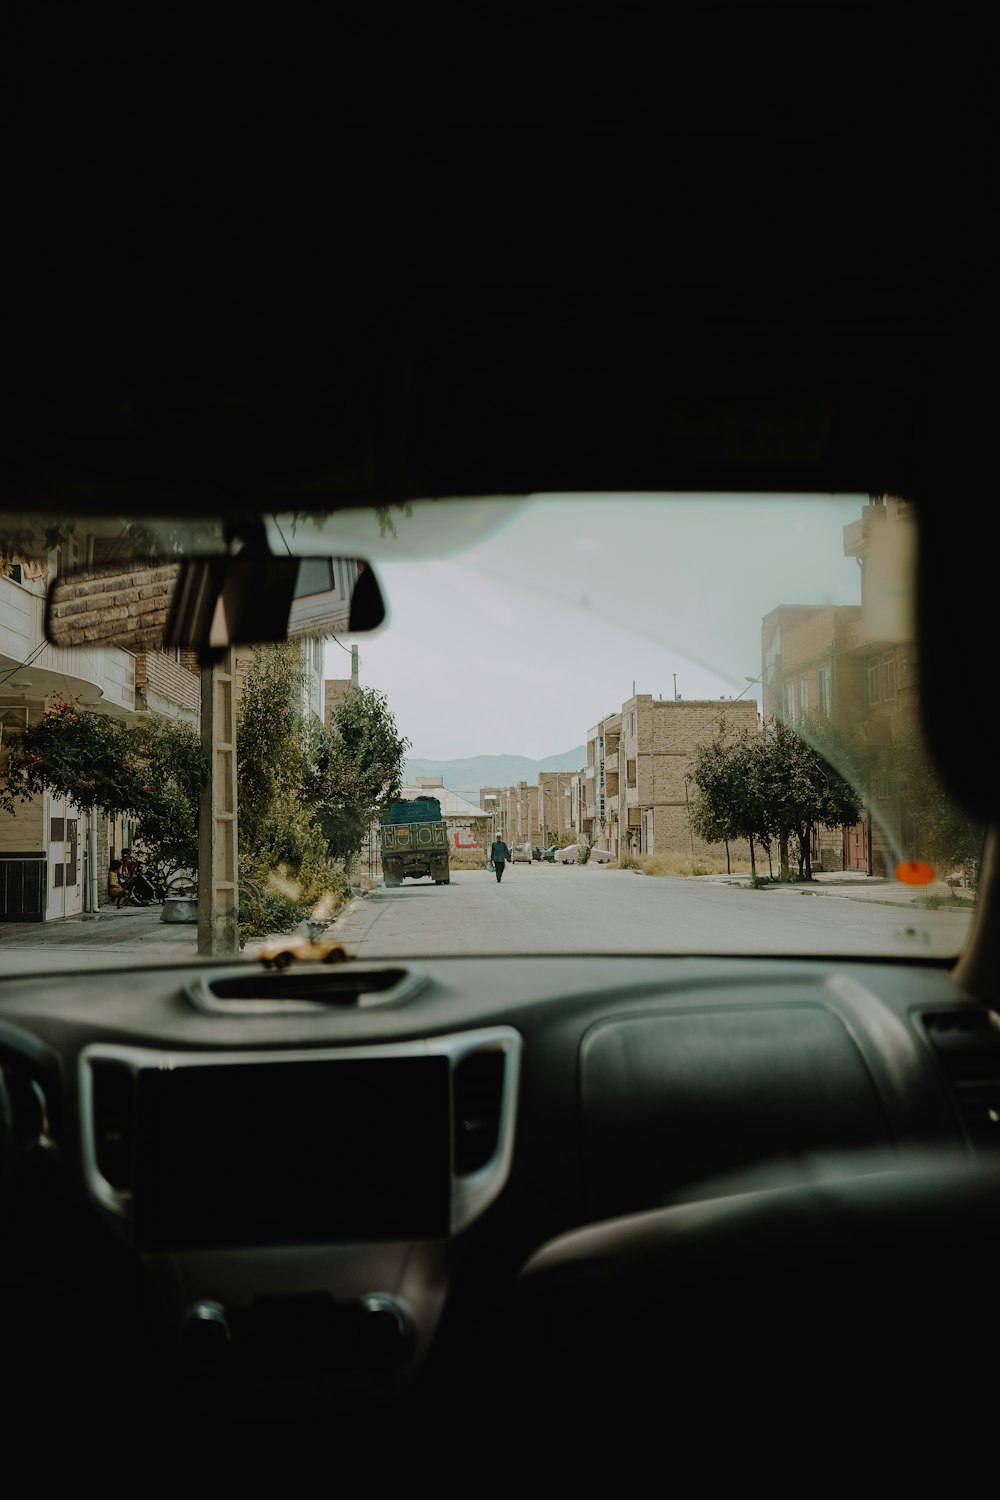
477 1094
967 1042
113 1108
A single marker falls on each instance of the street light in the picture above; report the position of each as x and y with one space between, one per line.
491 798
750 681
547 794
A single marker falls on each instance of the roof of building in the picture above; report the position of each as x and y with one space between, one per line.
453 805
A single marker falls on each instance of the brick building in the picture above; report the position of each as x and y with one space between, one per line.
515 810
855 664
636 798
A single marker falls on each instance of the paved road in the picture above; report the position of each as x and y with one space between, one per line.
545 908
577 909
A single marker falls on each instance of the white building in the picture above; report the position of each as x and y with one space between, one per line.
53 855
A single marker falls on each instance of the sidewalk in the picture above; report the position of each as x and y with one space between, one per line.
852 885
135 934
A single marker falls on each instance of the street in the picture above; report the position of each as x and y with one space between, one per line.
579 909
542 908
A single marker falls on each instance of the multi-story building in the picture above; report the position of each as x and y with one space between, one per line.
514 810
556 821
856 665
810 669
637 799
54 856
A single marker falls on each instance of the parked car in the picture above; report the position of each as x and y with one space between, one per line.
567 855
599 856
635 325
521 853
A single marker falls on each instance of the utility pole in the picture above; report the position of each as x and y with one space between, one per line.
218 893
354 666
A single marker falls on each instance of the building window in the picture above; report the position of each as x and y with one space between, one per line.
888 676
873 680
790 702
824 693
803 696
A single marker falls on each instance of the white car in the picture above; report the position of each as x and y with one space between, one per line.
570 855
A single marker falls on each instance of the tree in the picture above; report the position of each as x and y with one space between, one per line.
803 789
768 787
728 803
151 770
357 769
285 868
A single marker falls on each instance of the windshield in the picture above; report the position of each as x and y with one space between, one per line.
589 724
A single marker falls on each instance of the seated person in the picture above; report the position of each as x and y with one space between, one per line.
115 888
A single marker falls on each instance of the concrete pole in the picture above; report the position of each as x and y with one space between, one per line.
218 892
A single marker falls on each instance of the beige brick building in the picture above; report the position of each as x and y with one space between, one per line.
857 665
636 797
554 808
515 810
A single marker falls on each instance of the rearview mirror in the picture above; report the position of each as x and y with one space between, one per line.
209 604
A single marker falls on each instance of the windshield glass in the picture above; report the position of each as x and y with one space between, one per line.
589 724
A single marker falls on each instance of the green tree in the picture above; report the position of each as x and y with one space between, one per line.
285 868
357 769
728 801
767 788
151 770
802 789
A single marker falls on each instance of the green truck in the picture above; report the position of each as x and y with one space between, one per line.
414 842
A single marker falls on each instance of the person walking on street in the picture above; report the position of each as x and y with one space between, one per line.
499 855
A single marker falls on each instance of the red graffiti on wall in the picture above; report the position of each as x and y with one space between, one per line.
460 845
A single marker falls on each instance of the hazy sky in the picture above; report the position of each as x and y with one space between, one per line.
519 642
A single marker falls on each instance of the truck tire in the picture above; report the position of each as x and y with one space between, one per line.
441 872
391 875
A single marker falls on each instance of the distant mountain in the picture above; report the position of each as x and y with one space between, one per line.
467 776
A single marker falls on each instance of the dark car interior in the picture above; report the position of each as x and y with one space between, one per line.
384 253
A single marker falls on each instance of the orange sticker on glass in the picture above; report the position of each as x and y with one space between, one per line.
915 872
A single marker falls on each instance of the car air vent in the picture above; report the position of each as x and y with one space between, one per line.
477 1094
967 1042
249 992
113 1116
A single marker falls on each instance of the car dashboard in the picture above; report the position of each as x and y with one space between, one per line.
266 1193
